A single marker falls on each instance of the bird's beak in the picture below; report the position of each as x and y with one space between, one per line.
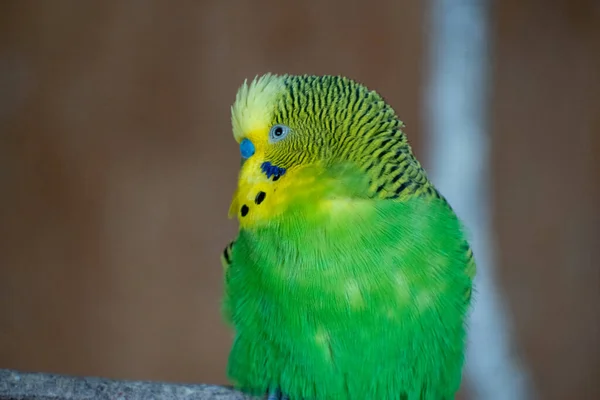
233 207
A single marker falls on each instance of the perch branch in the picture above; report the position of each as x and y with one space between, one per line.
15 385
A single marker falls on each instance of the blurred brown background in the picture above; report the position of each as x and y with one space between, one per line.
117 164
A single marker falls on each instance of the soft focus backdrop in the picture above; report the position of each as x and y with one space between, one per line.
117 165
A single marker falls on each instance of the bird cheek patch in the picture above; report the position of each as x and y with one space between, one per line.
272 170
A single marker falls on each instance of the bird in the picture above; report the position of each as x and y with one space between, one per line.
351 276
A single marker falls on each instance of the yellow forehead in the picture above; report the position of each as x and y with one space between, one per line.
252 111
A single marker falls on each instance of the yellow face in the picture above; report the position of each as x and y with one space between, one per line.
252 120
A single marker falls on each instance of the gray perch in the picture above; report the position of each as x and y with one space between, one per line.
15 385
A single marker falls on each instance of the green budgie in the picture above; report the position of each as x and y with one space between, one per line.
351 276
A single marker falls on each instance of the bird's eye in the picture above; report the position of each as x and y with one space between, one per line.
278 132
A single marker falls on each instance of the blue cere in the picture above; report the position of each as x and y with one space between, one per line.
247 149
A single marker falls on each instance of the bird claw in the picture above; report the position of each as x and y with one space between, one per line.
276 394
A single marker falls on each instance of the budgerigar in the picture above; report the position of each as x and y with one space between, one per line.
351 275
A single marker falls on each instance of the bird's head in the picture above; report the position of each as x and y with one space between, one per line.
284 123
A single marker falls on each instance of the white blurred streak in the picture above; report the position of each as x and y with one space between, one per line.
458 158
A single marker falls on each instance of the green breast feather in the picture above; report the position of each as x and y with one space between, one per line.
356 290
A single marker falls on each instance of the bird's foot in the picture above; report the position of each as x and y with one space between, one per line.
275 394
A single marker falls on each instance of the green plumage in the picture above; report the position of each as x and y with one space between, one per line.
359 285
